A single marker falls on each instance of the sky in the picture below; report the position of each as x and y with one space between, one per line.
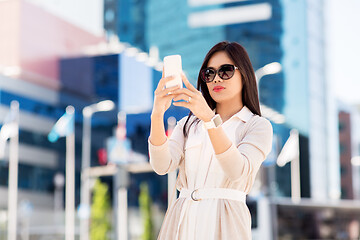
343 49
90 19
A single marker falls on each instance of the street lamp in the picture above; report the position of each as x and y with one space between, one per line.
268 69
88 111
271 68
271 114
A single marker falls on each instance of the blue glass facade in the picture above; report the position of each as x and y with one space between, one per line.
97 80
32 105
262 41
167 28
295 64
137 17
127 18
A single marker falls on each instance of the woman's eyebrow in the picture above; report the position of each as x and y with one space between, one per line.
219 65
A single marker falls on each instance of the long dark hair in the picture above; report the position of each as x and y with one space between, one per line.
239 56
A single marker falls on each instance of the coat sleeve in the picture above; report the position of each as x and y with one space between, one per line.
166 157
244 160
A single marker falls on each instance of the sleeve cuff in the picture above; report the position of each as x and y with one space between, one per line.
158 148
228 154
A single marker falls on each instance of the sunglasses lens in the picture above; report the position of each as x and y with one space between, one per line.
207 74
226 72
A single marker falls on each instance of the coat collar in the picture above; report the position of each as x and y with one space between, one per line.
244 114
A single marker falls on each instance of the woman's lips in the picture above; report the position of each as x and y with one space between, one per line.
218 88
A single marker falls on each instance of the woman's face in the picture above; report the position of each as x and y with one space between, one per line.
224 91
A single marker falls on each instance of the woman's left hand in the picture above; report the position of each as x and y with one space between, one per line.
194 100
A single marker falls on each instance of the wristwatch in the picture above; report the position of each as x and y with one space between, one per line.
215 122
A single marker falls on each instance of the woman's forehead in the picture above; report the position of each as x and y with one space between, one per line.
218 59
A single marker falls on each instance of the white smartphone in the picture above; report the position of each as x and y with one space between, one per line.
173 67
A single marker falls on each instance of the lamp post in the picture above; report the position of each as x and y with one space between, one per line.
171 121
88 111
273 115
13 135
59 182
268 69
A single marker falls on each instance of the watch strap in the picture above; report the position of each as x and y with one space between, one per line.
215 122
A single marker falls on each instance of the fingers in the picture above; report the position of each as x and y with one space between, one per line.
162 83
167 91
182 104
187 83
184 91
168 97
181 97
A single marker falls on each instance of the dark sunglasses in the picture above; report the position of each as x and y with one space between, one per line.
225 72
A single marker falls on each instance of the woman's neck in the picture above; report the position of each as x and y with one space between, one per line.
226 111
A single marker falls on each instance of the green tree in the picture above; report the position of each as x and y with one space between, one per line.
100 209
145 209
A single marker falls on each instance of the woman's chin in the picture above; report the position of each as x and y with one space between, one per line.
219 100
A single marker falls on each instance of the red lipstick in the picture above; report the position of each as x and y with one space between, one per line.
218 88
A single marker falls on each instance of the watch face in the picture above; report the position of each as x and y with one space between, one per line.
217 120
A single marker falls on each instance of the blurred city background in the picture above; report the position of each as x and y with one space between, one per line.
76 92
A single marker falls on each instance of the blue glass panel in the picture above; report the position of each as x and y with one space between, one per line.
76 75
32 106
106 78
132 23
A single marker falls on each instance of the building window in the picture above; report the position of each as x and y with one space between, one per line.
341 126
343 170
109 15
342 148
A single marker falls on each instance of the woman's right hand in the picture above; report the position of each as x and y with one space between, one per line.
162 97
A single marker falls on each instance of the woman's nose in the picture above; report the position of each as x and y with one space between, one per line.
217 79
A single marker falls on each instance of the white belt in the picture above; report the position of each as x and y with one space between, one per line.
213 193
207 193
